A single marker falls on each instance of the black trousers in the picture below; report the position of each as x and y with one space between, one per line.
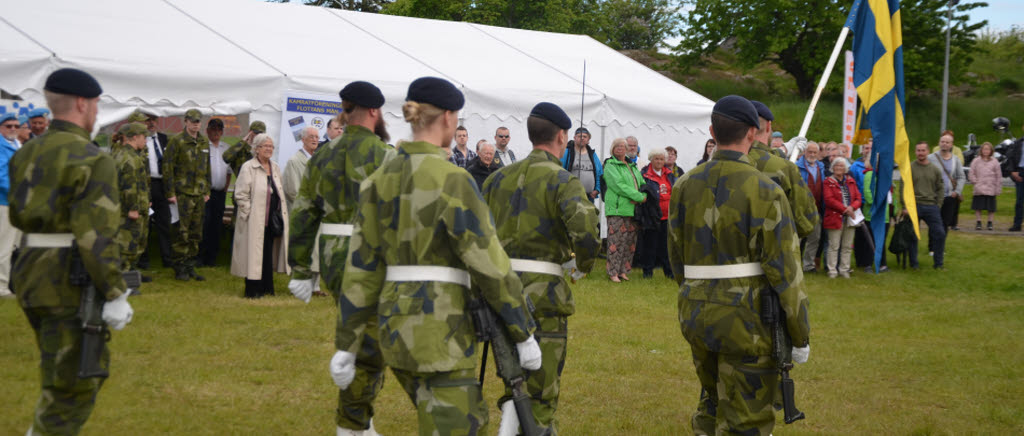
653 249
862 242
160 222
213 228
265 285
950 212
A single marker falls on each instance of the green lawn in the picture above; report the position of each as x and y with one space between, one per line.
907 352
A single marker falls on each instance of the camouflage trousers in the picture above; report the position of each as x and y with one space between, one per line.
66 400
333 251
355 403
543 384
190 228
447 403
132 237
738 394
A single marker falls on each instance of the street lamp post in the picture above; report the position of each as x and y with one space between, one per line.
945 71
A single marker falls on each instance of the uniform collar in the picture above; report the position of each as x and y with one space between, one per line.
543 155
69 127
423 147
354 129
760 146
732 155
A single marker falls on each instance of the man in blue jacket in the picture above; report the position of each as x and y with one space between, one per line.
588 170
8 234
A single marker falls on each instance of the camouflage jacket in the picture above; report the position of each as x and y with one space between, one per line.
133 183
186 166
726 212
329 193
419 209
62 183
787 175
237 155
543 213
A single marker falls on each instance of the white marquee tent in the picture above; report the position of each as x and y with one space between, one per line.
232 57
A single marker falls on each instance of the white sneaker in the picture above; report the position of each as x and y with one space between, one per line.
6 294
349 432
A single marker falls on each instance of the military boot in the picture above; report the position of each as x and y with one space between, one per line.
181 272
192 272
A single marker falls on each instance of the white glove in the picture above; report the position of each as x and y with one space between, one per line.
509 420
574 271
301 289
800 355
529 354
343 368
118 313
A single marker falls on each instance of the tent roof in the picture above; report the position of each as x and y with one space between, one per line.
233 56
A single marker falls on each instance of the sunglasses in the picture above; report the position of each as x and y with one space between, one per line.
503 136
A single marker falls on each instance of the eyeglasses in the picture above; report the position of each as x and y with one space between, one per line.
502 136
9 126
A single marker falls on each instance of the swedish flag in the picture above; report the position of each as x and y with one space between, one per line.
878 76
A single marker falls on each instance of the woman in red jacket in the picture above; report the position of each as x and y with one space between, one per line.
842 200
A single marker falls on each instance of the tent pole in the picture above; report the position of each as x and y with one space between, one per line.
583 93
821 85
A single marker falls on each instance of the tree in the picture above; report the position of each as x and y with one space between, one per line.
798 36
637 24
351 5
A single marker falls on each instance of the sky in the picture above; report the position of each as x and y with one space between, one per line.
1001 14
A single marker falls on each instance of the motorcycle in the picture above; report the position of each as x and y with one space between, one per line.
1001 125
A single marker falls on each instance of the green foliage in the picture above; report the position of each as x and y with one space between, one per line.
621 24
351 5
798 36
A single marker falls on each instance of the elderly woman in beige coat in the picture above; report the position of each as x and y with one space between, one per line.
261 240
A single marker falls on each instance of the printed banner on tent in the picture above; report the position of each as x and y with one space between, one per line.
302 109
17 106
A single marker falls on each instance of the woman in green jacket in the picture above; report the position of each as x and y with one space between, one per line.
623 181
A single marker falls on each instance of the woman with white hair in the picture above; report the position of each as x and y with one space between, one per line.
653 246
842 200
624 181
261 231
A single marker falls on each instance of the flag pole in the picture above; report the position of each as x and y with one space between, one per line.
821 86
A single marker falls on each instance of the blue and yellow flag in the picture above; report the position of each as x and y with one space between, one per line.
878 76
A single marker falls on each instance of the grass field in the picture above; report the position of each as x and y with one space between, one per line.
903 353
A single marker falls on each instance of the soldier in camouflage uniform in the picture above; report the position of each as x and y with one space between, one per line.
186 170
423 244
544 217
241 152
784 173
731 236
133 183
327 200
64 190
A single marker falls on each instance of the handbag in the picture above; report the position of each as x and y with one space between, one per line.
276 221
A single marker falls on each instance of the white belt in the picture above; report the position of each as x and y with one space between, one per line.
710 272
536 266
49 240
336 229
427 273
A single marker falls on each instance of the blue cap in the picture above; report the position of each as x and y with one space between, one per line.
762 110
738 109
553 113
776 134
363 94
23 119
436 91
72 81
8 116
38 112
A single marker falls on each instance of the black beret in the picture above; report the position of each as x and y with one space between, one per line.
583 130
363 94
436 91
738 109
553 113
762 110
73 82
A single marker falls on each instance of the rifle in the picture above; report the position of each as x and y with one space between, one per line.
506 359
95 333
771 316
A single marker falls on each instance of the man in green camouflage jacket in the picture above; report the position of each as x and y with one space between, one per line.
784 173
241 152
732 236
544 216
64 196
186 170
133 183
328 201
423 245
